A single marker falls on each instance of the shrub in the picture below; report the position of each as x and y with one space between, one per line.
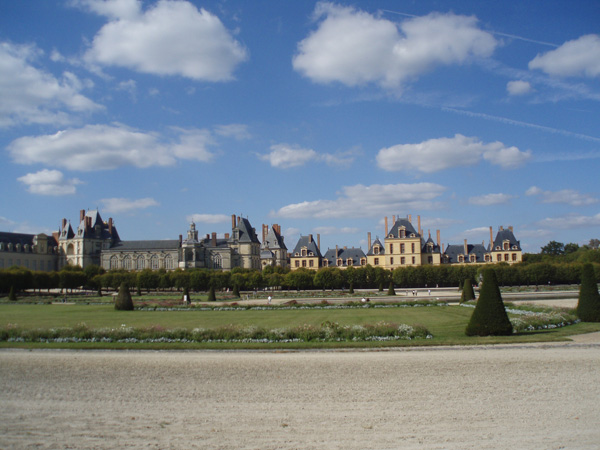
236 291
124 301
391 290
467 292
588 306
211 295
12 296
489 317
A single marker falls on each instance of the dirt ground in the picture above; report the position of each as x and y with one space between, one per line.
497 397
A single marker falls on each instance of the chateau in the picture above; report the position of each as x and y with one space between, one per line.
95 241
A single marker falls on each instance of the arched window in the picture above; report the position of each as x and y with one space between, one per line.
154 262
127 262
169 262
141 262
216 261
114 262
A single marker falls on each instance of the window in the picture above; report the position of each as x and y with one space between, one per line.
127 262
473 258
169 262
391 248
514 257
430 259
303 263
114 262
303 252
487 258
506 257
391 261
141 263
363 261
414 260
376 250
412 248
311 263
402 233
349 262
403 260
401 248
506 246
297 263
498 257
154 262
461 258
376 261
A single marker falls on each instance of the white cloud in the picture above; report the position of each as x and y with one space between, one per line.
125 205
518 87
491 199
236 131
285 156
49 182
367 201
579 57
439 154
354 47
102 147
568 196
335 230
209 218
32 96
169 38
570 221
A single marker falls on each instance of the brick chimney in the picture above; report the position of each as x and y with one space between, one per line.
110 226
226 235
214 239
233 221
510 228
369 241
319 242
64 223
386 226
410 218
419 225
466 248
438 238
310 238
81 214
180 239
491 238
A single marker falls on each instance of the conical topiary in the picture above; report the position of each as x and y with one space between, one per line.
211 295
124 301
467 292
489 317
236 291
351 289
391 290
11 295
588 306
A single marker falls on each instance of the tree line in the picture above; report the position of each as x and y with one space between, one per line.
365 277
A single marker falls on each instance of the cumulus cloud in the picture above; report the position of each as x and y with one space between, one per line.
285 156
367 201
518 87
236 131
444 153
171 37
335 230
568 196
32 96
579 57
49 182
125 205
490 199
354 47
102 147
209 218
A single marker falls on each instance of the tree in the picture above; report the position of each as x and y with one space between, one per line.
391 290
124 301
594 244
588 306
489 317
553 248
236 291
467 292
211 295
571 248
11 295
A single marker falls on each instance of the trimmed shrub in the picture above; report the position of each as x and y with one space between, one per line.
489 317
351 289
467 292
124 301
211 295
588 306
12 296
391 290
236 291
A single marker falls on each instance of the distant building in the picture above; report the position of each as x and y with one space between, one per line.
307 253
343 258
273 251
32 251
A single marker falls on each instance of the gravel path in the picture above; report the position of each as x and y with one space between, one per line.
498 397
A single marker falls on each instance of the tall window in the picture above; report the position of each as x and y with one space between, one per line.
391 248
412 248
141 263
376 261
127 262
154 262
169 262
114 262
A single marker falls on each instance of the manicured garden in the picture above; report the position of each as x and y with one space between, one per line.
294 325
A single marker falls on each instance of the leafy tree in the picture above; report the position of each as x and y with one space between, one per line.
594 244
124 301
588 306
489 317
553 248
571 248
467 292
300 279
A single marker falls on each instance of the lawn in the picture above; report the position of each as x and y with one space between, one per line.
445 323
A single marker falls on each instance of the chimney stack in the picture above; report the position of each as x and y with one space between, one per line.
336 253
386 226
491 238
394 220
410 218
81 214
419 225
110 226
227 236
438 238
310 238
64 223
466 248
319 242
510 228
180 239
233 221
369 241
214 239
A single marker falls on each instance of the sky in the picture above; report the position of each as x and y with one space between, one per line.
322 117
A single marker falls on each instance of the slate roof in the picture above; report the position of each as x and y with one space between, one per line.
506 235
170 244
407 225
273 240
435 249
381 250
310 245
355 254
246 232
16 238
453 252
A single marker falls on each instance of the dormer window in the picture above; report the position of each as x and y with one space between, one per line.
376 250
402 233
303 252
473 258
461 258
349 262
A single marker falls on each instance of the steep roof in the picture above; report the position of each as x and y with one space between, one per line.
309 243
403 223
506 235
246 232
273 240
430 243
381 251
452 252
355 254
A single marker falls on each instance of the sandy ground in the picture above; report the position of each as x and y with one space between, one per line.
496 397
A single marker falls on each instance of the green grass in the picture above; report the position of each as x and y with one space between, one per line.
446 323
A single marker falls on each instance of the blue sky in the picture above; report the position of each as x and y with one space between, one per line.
322 117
